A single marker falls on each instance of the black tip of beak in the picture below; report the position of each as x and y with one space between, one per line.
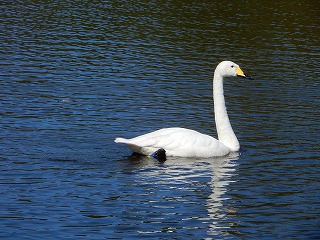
246 76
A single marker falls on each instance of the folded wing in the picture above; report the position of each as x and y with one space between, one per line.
177 142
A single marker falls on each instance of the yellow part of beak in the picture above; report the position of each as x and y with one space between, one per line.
240 72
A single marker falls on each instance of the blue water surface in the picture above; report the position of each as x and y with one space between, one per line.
74 76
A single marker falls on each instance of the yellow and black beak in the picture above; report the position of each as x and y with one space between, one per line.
241 74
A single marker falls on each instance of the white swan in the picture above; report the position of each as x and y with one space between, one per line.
183 142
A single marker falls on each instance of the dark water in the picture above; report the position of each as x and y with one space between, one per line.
75 75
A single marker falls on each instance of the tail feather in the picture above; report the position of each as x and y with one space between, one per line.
121 140
135 147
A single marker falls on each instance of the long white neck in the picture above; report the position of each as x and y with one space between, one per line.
224 129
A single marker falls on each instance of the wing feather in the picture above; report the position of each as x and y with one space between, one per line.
177 142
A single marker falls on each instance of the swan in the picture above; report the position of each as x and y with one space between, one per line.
182 142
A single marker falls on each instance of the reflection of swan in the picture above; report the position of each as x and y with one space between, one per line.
188 143
188 189
222 172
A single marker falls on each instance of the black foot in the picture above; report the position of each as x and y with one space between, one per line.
160 155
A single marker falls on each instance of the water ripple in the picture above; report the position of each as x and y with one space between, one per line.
75 76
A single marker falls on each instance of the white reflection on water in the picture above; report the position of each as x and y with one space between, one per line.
223 169
194 190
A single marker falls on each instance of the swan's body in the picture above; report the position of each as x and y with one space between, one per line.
180 142
183 142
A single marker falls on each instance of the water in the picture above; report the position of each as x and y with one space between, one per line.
75 76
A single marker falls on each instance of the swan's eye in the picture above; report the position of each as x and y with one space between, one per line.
232 66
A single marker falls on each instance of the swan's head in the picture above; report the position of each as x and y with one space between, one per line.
230 69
